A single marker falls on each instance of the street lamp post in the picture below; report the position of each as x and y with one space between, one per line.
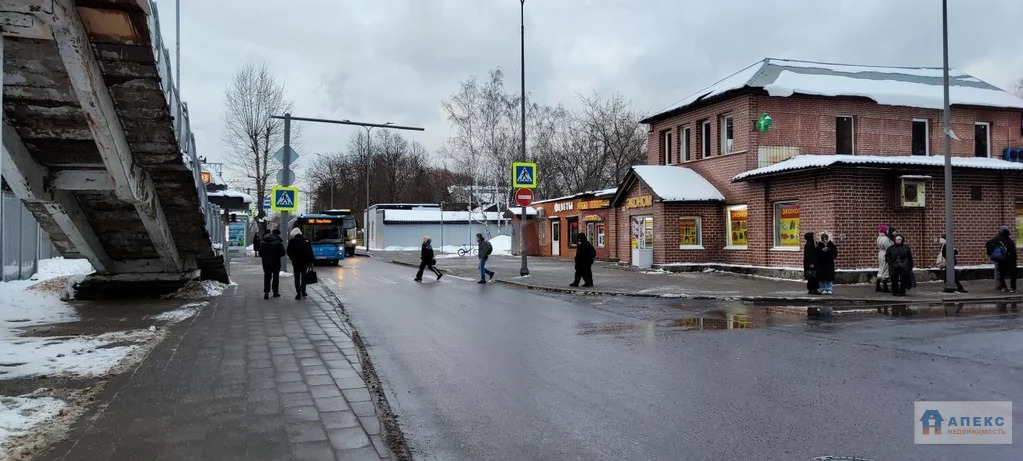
950 246
524 271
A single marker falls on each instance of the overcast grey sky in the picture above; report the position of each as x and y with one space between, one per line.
396 60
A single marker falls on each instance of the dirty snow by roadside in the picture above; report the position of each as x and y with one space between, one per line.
199 290
18 415
182 313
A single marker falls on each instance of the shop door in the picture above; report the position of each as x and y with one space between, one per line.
642 228
555 238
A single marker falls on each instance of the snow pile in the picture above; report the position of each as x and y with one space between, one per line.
20 414
502 245
56 267
37 302
182 313
397 248
678 184
60 356
199 290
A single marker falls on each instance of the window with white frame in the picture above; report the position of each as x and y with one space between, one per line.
600 235
690 233
786 225
685 148
921 137
705 139
666 140
736 225
725 134
982 139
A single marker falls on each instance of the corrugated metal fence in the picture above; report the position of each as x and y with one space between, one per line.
22 241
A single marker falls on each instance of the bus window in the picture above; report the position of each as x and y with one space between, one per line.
321 232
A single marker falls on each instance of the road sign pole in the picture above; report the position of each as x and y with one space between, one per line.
287 182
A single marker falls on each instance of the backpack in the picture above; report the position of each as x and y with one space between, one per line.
999 252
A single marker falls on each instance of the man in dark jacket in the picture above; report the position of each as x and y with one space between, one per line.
301 254
255 243
426 259
1002 250
810 259
271 250
900 262
584 256
485 249
827 252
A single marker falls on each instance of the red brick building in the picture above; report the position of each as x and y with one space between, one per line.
848 148
559 221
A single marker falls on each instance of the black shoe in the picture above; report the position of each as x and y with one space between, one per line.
587 285
298 297
417 280
439 276
962 290
277 295
266 295
482 281
305 295
491 275
573 285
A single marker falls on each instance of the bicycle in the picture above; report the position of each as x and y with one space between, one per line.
466 250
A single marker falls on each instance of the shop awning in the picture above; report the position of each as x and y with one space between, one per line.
825 161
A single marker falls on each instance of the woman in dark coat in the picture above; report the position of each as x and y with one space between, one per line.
810 257
826 264
900 262
426 260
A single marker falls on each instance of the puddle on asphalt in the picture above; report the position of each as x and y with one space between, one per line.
748 316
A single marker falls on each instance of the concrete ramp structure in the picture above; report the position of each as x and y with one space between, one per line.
96 141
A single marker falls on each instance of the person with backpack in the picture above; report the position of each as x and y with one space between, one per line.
485 249
585 254
426 260
1002 250
810 257
900 263
301 254
271 250
942 264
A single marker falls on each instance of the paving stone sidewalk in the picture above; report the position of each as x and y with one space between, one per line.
609 278
246 379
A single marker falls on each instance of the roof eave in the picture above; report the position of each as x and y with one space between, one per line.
699 103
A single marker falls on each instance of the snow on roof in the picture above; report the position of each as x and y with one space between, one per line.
896 86
596 193
677 184
228 193
434 216
517 211
802 162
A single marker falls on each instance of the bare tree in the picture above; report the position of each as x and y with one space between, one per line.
1019 87
251 135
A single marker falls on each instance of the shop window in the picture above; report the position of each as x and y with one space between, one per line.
690 233
705 139
982 139
736 226
685 154
600 235
844 143
591 232
573 231
726 134
642 228
666 146
921 137
786 225
1019 225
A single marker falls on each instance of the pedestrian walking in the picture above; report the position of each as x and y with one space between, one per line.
255 243
810 256
301 254
900 264
826 256
485 250
584 256
883 274
271 251
943 265
1002 250
426 260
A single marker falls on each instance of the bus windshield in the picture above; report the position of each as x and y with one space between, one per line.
322 232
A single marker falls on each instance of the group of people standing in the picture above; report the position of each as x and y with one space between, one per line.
271 249
819 264
895 262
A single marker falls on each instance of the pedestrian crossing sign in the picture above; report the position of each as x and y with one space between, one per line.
284 198
524 175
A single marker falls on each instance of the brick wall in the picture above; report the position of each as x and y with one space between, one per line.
742 129
623 233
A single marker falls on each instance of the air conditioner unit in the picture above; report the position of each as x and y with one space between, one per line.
913 192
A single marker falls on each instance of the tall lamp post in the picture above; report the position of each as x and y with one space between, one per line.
950 245
524 271
369 153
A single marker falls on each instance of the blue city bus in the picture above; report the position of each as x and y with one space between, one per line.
327 233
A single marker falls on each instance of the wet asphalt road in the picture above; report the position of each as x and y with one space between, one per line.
492 372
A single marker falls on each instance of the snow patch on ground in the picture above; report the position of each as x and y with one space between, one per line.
502 245
67 355
182 313
18 415
397 248
199 290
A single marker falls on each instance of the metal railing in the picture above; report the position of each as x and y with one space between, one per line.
183 131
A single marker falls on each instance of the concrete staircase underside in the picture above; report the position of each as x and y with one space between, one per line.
89 142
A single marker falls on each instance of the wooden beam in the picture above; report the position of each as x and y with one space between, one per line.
130 182
81 180
71 219
25 177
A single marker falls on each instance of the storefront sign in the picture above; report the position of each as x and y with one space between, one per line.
788 227
639 202
689 231
563 206
592 218
739 220
592 204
